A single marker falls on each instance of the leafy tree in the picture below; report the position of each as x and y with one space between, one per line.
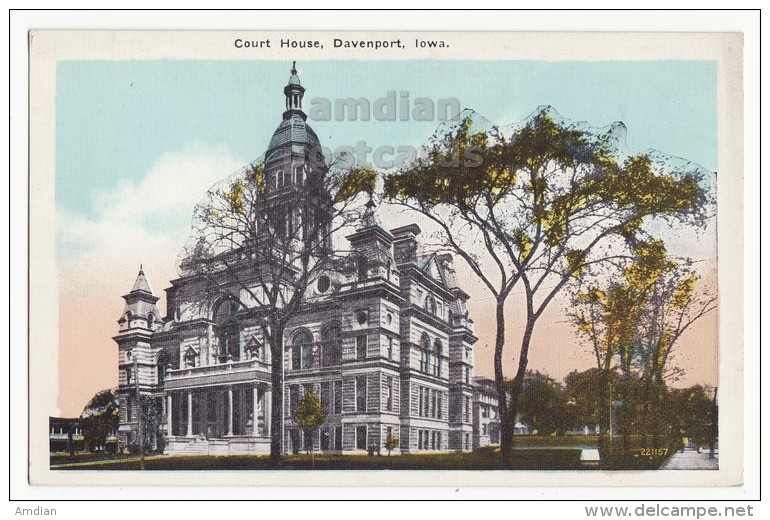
637 317
584 391
537 209
260 245
689 412
99 417
310 416
544 406
391 443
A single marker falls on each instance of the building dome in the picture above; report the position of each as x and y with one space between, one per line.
293 134
293 131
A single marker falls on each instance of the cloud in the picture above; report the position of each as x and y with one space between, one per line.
98 257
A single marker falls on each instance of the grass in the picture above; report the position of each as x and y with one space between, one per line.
533 459
530 453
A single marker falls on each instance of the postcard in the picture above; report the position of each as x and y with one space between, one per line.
385 258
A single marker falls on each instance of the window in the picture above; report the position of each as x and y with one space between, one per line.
150 320
361 437
293 398
163 366
484 412
390 347
467 374
128 376
287 178
430 304
424 352
332 346
433 403
338 397
483 429
279 179
467 441
227 319
389 394
361 347
302 350
325 398
362 317
299 174
438 350
421 408
323 283
361 393
467 409
439 405
362 268
129 408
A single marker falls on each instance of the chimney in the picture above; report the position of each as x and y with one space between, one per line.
405 243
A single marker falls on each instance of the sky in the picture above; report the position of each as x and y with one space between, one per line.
138 143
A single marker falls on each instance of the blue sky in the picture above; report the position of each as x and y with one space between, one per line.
116 119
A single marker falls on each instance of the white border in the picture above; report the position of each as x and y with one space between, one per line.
709 21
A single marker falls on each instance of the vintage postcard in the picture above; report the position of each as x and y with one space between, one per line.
480 259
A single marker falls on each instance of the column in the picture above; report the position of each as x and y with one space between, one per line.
189 414
169 413
255 412
268 409
230 411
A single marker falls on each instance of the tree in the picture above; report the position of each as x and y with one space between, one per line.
391 443
258 244
537 209
637 317
99 417
544 406
310 416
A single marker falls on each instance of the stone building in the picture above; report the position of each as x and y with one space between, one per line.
387 344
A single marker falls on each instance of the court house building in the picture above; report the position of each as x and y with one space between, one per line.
386 345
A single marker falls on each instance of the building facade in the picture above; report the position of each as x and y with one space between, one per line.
385 342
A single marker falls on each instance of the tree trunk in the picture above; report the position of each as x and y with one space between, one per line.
521 372
276 422
506 424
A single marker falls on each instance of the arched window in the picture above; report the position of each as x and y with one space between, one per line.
287 178
430 304
299 174
227 319
302 350
163 366
332 346
424 352
438 352
150 320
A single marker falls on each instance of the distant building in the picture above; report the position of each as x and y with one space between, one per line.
386 343
65 434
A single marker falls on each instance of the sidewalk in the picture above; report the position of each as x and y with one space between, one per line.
691 460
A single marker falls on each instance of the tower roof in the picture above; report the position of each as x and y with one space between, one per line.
293 130
141 284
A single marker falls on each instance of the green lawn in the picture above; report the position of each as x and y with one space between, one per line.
530 453
533 459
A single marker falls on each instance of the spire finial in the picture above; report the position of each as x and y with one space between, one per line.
141 268
294 67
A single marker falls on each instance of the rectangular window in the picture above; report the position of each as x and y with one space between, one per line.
467 441
433 403
338 438
293 398
438 440
361 437
390 348
361 393
338 397
467 409
389 394
467 374
420 402
325 401
426 406
296 356
307 356
433 440
361 347
129 411
419 439
439 405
